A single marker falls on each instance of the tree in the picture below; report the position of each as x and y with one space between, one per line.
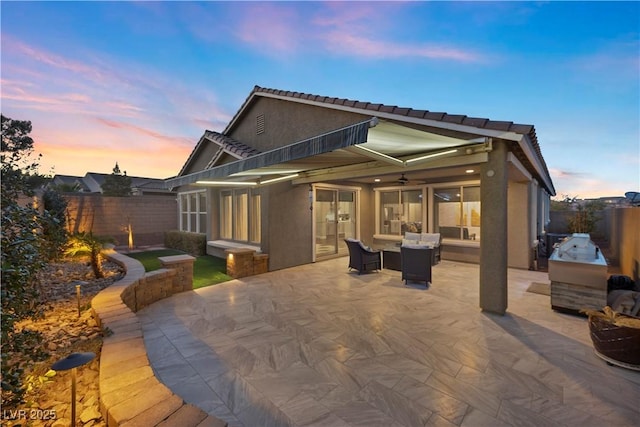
584 214
17 162
21 255
87 243
117 184
54 224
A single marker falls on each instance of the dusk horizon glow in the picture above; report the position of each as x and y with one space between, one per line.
139 83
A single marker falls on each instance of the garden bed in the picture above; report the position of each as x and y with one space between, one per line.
63 332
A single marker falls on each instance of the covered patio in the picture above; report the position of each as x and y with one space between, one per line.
314 345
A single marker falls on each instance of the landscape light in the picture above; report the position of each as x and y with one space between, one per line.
73 361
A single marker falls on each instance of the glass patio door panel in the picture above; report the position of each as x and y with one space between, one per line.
346 218
326 222
335 218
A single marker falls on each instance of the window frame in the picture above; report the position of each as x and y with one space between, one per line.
249 220
399 189
461 187
198 212
429 216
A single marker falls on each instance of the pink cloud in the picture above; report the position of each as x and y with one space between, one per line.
584 185
53 60
352 29
361 46
144 132
364 29
272 26
88 113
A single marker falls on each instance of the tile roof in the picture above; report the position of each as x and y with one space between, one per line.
477 122
228 144
231 145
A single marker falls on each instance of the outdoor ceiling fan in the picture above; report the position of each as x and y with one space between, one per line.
403 180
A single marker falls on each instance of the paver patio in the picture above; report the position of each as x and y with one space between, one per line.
317 346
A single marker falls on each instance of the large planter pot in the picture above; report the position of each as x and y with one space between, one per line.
617 345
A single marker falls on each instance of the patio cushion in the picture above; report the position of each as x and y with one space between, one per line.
410 242
433 239
412 236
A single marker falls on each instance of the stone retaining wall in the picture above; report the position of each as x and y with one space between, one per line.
243 262
130 394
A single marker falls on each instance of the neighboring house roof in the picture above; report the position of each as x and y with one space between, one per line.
92 183
227 145
70 181
458 122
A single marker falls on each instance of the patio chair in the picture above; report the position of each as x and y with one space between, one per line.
362 258
416 264
433 240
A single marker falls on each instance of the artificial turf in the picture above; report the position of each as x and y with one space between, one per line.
207 270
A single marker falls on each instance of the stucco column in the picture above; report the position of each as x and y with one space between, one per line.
493 222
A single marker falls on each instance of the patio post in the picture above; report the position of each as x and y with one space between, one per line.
493 231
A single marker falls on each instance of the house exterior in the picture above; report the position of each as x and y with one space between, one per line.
293 174
92 182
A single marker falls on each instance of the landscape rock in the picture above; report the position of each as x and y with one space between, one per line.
64 332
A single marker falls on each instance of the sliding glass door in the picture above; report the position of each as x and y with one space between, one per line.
335 220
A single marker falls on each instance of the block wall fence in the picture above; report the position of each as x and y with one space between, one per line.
149 217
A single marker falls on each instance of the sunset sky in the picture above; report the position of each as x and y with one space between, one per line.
138 83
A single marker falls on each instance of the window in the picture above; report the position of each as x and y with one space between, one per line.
241 210
254 225
193 211
401 211
457 212
202 210
240 216
226 215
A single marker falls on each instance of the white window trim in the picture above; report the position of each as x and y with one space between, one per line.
197 211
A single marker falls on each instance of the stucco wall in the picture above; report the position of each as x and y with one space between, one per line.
367 214
288 227
287 122
519 240
149 216
625 240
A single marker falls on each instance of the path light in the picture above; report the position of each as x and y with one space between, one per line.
78 297
73 361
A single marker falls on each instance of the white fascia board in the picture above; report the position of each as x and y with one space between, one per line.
526 146
518 165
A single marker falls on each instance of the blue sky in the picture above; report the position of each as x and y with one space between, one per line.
138 83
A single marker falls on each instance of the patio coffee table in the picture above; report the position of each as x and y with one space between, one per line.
391 259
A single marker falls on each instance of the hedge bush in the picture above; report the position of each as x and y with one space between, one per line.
192 243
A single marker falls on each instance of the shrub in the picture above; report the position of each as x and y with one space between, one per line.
21 257
192 243
54 219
